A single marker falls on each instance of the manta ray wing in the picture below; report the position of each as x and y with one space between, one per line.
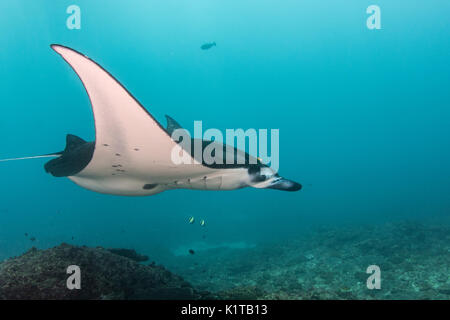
130 144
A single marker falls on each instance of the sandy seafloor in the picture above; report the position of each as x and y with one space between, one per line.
324 263
330 263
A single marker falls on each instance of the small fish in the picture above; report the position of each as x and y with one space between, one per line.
191 251
26 234
191 220
73 237
33 239
202 223
207 46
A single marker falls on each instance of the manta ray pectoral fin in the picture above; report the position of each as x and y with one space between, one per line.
131 147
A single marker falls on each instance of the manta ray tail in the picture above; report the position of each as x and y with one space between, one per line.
72 142
33 157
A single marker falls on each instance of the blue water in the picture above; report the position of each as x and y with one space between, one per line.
364 115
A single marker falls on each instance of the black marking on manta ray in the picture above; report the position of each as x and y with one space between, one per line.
75 157
118 154
106 145
118 82
136 149
149 186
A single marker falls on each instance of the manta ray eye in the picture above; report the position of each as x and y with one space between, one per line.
266 173
254 170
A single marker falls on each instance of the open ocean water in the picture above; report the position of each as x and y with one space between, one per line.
364 125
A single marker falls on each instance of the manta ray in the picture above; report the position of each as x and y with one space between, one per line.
131 154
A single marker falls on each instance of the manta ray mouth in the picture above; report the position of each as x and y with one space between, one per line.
284 185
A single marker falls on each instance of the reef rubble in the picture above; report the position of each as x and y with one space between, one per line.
42 274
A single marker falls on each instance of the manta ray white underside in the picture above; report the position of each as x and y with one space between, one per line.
132 150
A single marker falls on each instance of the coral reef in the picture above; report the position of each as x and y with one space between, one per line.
41 274
331 263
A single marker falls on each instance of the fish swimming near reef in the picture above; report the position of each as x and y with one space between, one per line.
132 152
208 46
